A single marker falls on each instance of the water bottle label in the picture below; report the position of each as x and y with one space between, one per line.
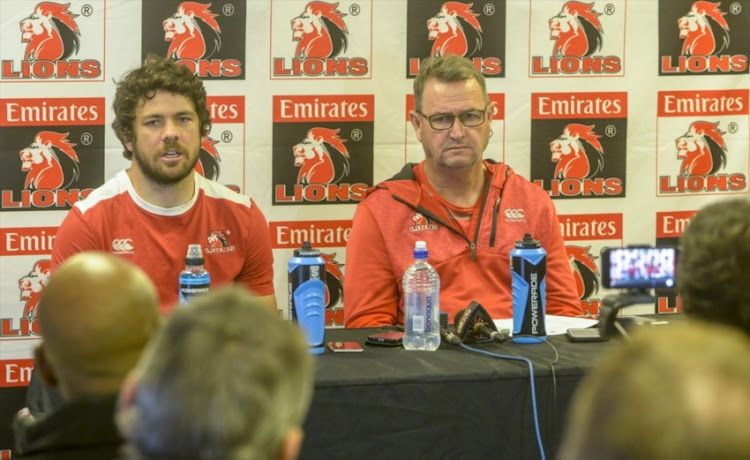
418 324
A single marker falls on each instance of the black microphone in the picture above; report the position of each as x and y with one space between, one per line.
473 324
449 337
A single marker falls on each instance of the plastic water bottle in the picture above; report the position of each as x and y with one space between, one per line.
421 303
307 295
528 266
194 279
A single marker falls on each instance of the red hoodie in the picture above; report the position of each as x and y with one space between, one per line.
401 211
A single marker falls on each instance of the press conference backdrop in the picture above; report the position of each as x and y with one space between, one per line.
631 114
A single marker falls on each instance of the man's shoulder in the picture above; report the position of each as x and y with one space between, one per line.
222 193
112 189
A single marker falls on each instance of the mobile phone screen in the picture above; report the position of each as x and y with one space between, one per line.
639 268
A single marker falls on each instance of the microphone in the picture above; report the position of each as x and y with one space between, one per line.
449 337
473 324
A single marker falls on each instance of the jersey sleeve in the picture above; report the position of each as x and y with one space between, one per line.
370 290
257 270
73 236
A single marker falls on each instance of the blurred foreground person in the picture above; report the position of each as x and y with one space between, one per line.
677 392
225 379
714 262
96 316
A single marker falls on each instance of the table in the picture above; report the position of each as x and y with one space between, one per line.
389 403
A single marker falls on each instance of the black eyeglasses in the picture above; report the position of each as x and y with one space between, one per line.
443 121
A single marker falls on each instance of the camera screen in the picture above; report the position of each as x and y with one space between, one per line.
639 268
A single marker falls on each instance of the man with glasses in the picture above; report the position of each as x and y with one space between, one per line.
470 212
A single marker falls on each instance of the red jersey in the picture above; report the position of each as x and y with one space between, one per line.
232 232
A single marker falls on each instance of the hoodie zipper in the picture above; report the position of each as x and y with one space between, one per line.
495 211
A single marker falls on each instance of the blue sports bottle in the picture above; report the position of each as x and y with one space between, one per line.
528 267
307 295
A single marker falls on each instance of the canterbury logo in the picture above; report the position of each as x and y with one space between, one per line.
514 214
122 245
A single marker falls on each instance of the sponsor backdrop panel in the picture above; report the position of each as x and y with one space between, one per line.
631 114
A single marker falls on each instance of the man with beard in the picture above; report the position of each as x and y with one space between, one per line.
150 213
469 210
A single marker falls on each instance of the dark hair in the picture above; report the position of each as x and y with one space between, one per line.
714 263
448 68
157 73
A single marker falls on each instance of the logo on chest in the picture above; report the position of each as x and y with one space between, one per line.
422 224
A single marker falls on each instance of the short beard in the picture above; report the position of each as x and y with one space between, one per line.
161 177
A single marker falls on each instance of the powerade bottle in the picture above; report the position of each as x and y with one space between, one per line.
421 303
307 295
194 279
528 266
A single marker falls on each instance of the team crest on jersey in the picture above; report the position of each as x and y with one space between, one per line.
438 28
219 242
577 34
54 46
421 223
320 39
703 37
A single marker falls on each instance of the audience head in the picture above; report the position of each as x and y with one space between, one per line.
225 378
673 392
714 264
447 69
157 73
96 316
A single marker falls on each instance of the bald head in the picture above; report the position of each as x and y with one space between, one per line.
96 315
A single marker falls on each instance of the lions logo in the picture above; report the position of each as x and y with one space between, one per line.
576 30
704 30
217 239
455 30
320 31
313 157
585 271
48 161
334 280
208 159
702 149
193 31
50 32
577 152
32 285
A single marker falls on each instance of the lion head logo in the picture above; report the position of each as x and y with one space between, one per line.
701 149
419 220
32 285
577 152
455 30
193 31
313 157
217 239
334 280
208 159
48 161
704 30
576 30
50 32
320 31
585 271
